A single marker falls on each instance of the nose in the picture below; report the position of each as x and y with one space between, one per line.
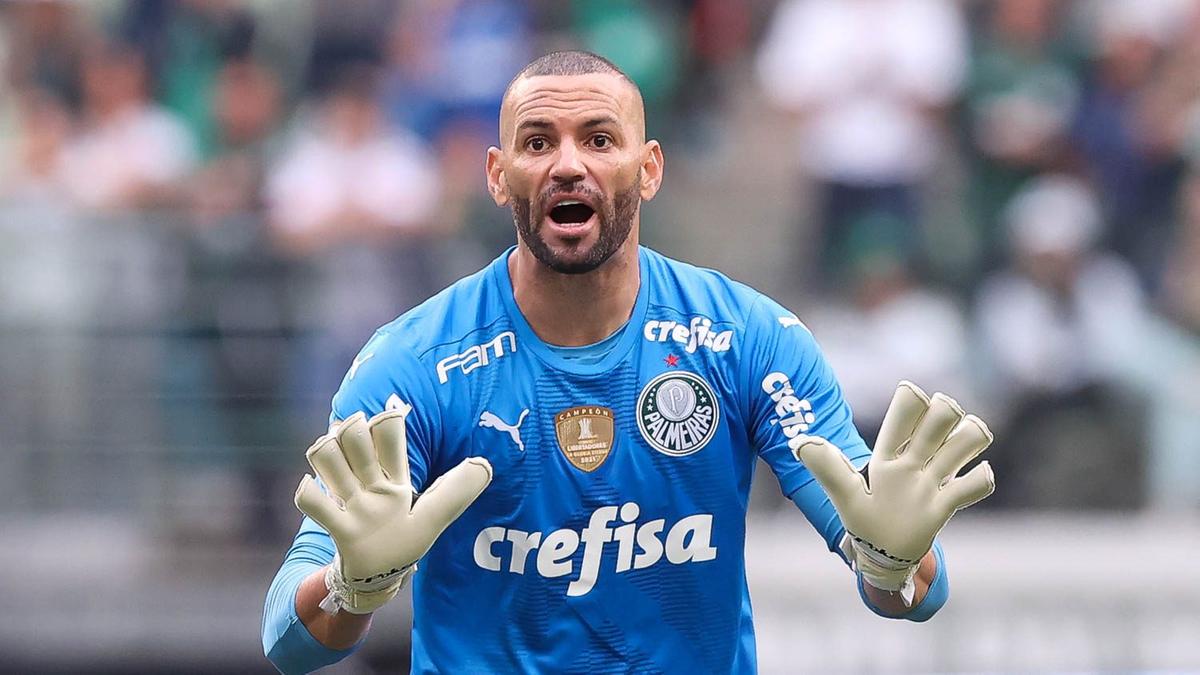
568 165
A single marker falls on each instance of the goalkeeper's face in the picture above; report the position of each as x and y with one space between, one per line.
574 167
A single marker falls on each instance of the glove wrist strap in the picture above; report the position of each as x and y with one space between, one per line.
881 570
361 595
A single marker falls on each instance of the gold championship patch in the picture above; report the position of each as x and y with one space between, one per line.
585 435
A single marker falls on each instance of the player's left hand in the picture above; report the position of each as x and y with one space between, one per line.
911 486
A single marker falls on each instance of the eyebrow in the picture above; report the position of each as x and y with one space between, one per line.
600 121
534 124
545 124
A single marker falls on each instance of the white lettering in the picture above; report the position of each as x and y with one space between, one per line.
647 540
594 536
681 548
638 545
483 548
696 333
522 544
624 536
648 331
793 414
476 356
553 556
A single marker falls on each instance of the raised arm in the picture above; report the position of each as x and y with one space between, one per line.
894 509
379 531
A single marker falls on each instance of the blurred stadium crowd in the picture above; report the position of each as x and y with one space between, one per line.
206 206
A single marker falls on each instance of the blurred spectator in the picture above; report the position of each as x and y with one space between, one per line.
1170 105
866 81
1060 329
448 66
348 33
246 108
359 204
1181 290
48 39
1170 366
33 172
1019 105
130 152
718 33
644 40
1136 178
236 290
450 63
348 176
187 42
892 329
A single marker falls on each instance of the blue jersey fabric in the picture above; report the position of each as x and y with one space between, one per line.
611 537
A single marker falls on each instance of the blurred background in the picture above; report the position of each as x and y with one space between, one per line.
206 207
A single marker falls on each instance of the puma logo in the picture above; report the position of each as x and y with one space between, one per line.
488 420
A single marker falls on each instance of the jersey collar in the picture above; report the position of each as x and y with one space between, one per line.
528 339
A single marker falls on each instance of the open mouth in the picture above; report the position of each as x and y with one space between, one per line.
571 212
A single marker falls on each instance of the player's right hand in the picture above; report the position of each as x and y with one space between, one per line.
379 529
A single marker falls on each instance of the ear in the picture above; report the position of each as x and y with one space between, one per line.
497 187
652 170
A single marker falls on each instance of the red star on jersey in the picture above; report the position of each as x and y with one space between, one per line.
672 360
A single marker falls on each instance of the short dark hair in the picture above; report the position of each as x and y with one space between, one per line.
570 62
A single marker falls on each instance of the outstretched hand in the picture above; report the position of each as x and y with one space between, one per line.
911 487
379 528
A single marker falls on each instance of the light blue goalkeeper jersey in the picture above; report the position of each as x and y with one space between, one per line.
611 537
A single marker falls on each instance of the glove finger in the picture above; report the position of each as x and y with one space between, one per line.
391 445
964 444
833 470
939 420
451 494
354 437
327 460
970 488
908 404
315 504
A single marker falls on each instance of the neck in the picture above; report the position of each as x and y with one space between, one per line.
598 302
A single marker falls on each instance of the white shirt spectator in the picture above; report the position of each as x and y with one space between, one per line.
389 177
1084 327
139 147
917 335
864 74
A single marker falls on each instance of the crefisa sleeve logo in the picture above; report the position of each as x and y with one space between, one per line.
677 413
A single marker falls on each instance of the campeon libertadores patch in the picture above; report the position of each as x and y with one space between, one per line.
677 413
585 435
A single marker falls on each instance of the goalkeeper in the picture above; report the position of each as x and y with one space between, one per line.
557 451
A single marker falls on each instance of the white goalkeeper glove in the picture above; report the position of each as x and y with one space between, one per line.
910 490
379 531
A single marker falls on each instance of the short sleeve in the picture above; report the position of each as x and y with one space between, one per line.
792 392
386 375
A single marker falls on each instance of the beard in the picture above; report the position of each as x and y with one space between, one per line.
615 218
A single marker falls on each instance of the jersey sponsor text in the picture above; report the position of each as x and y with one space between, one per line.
477 356
688 540
793 414
698 334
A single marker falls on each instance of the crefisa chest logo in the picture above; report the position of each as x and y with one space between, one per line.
677 413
